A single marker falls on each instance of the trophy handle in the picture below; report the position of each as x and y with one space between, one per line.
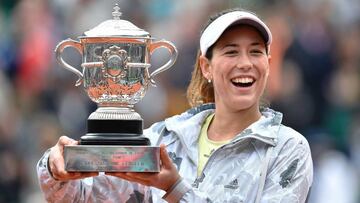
60 48
173 52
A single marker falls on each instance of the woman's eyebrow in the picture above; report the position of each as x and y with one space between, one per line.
236 45
257 44
229 45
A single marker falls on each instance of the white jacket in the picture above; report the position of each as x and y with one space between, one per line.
232 173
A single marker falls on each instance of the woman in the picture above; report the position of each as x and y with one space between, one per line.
236 152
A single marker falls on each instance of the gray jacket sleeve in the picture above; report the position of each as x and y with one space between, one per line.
97 189
291 173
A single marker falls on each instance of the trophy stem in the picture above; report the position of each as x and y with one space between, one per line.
114 126
114 113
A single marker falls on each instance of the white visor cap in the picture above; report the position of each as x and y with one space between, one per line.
212 32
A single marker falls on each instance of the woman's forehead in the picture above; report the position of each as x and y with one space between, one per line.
237 32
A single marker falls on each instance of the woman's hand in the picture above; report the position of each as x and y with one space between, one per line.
164 179
57 163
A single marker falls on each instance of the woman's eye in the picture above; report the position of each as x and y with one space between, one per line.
230 52
257 51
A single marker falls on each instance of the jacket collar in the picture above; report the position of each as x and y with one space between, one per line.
187 125
265 129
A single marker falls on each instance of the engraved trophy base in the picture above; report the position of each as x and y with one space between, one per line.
101 150
111 158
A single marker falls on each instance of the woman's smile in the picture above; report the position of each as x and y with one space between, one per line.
243 81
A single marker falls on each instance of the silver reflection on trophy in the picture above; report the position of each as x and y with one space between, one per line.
115 65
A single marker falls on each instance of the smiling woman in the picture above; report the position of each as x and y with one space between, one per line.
239 69
224 149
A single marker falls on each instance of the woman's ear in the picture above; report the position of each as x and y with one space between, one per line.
205 67
269 59
269 62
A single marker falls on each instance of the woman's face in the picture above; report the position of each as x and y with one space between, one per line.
239 68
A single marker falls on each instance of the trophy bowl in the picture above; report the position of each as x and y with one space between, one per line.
115 74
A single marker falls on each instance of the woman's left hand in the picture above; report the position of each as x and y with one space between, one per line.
163 180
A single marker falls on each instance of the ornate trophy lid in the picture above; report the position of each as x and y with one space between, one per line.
116 27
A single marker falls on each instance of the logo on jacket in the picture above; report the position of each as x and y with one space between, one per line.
198 180
232 185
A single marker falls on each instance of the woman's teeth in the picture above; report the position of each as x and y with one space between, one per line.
243 81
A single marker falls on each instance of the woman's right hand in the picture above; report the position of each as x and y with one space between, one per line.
57 163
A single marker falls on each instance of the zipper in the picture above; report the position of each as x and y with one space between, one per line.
231 144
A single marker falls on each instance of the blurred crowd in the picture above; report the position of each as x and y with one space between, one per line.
315 79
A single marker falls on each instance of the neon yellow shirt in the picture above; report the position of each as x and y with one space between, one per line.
206 146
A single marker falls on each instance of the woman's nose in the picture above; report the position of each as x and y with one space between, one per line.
244 62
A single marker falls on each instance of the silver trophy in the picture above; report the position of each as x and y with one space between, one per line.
115 74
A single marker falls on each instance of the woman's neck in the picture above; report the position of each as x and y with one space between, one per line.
226 125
